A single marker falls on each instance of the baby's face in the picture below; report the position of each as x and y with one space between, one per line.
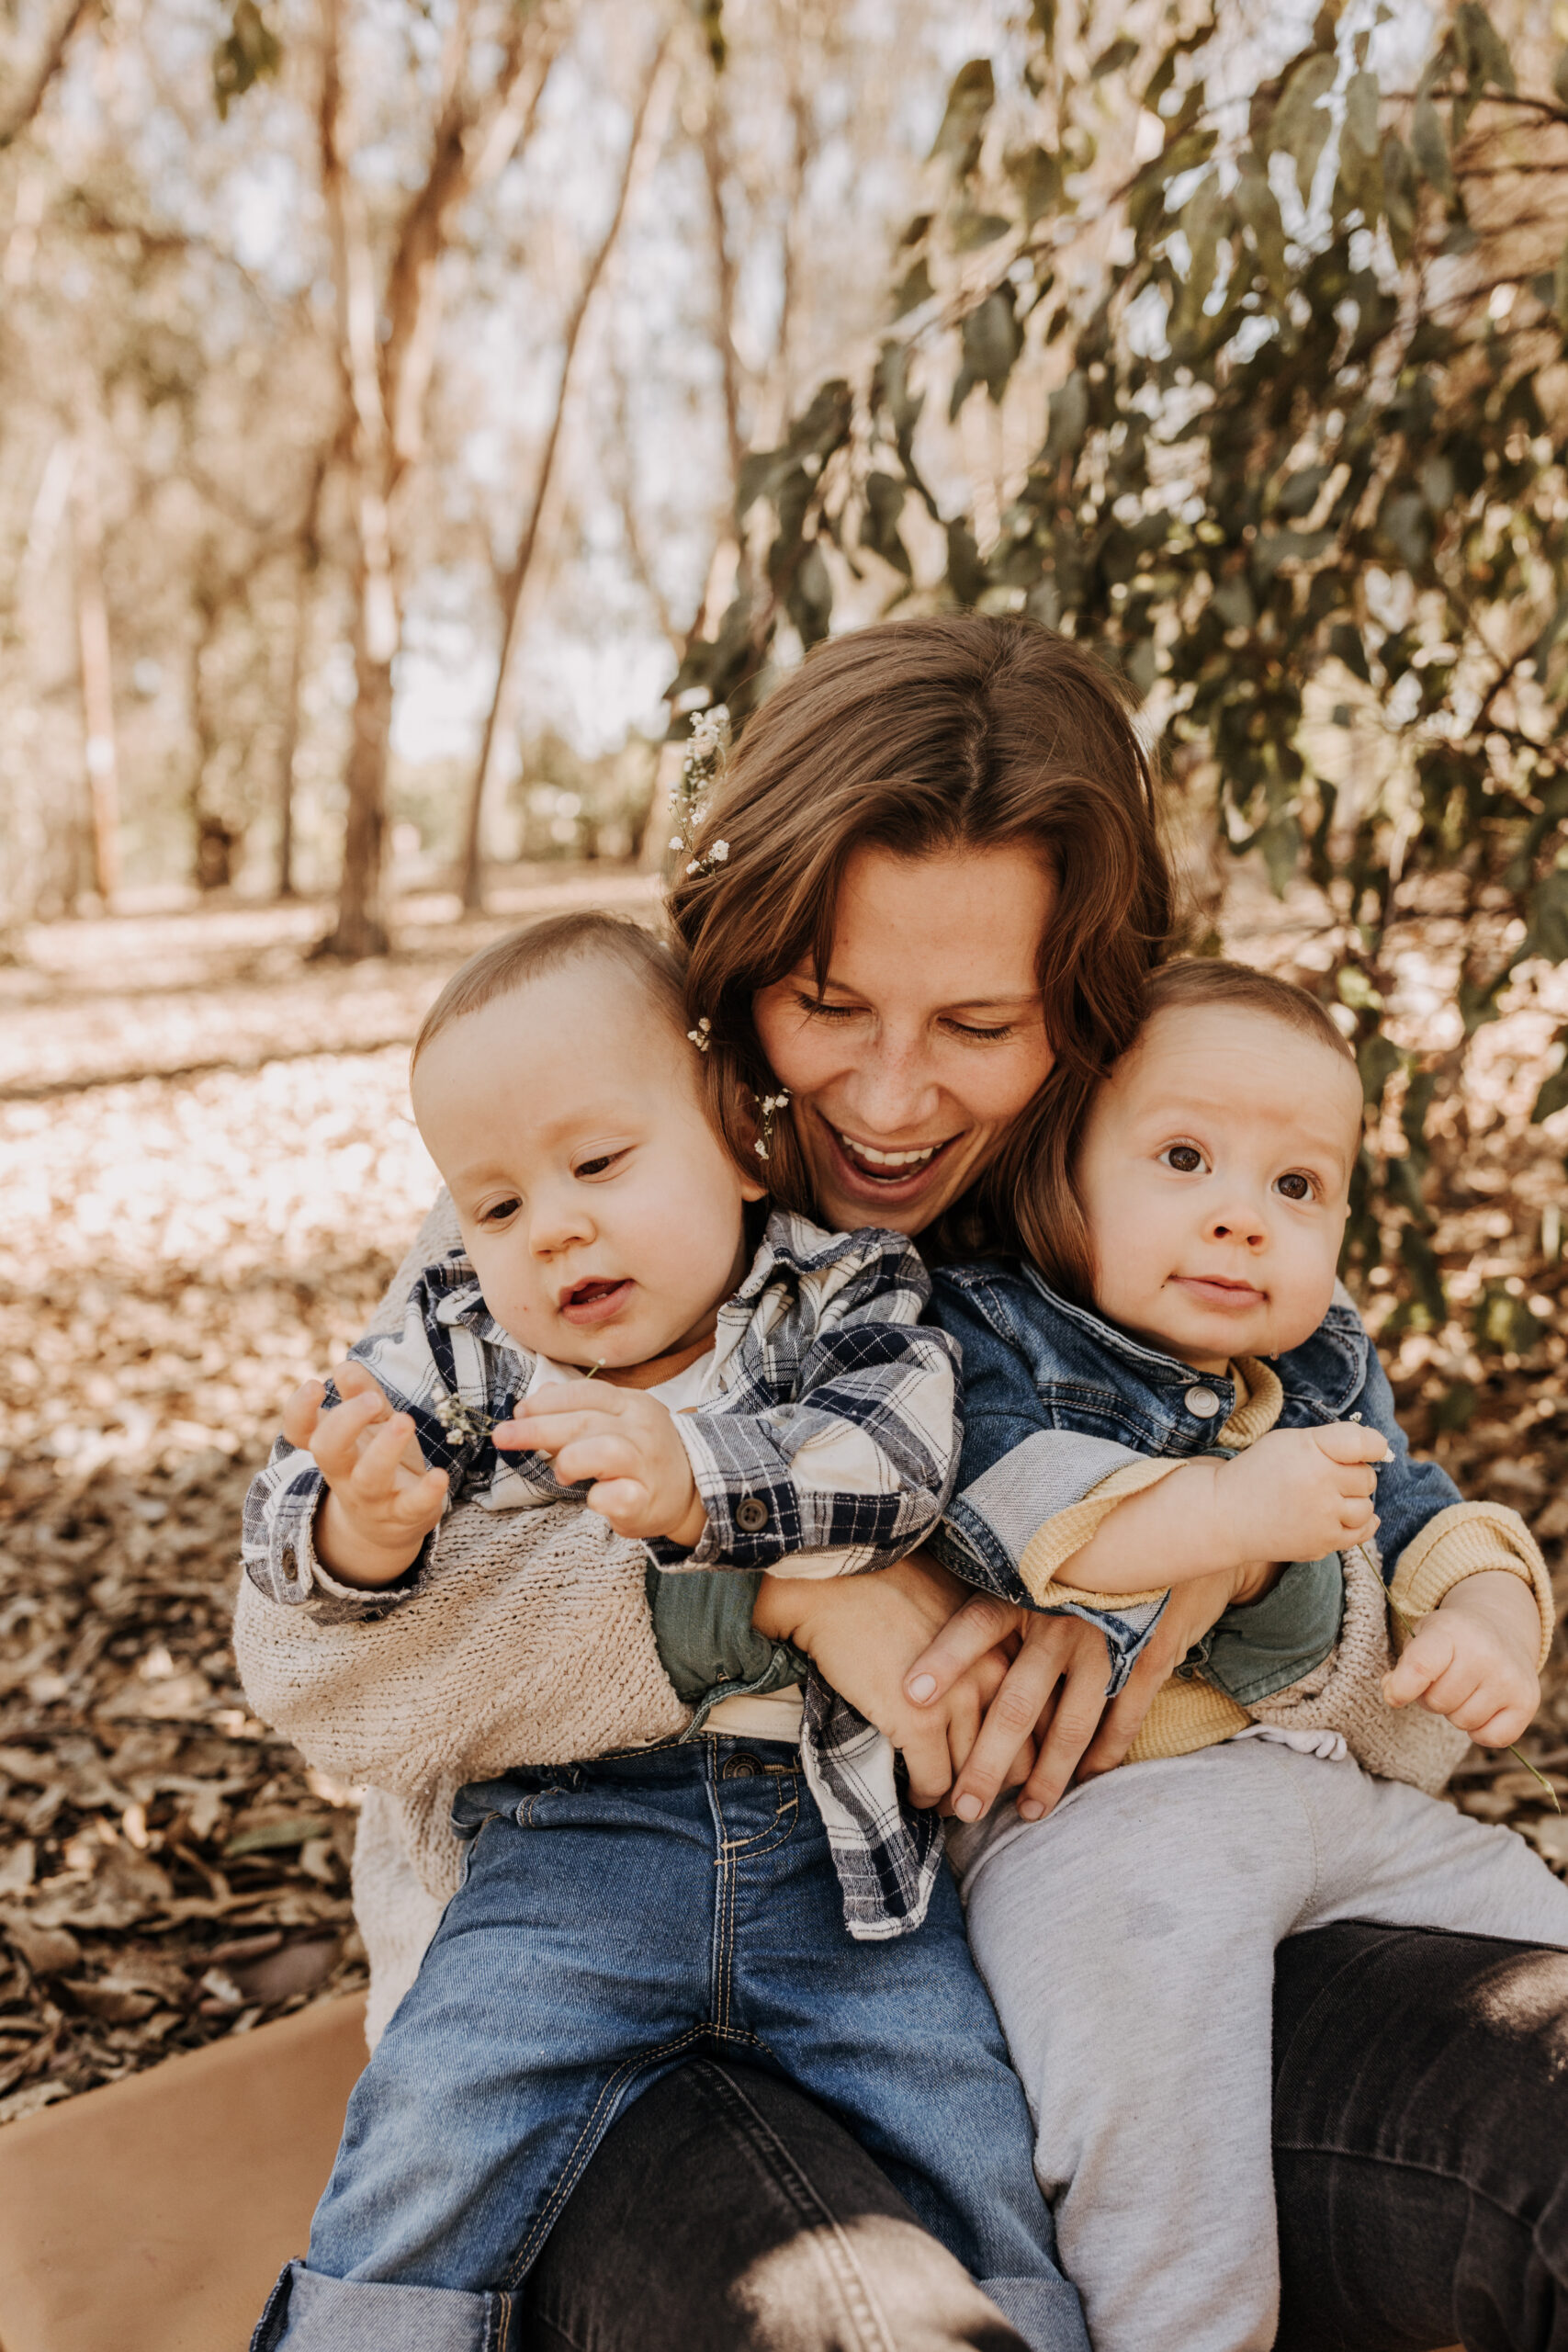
603 1214
1215 1176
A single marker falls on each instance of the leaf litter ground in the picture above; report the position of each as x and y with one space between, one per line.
179 1250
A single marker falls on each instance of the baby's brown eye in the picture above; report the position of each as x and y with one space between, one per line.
499 1210
1185 1157
1296 1187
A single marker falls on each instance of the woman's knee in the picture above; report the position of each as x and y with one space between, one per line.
726 2213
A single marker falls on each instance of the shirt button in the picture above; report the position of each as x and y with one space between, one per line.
1203 1402
751 1515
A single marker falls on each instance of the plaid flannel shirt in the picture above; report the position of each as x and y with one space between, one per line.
824 1441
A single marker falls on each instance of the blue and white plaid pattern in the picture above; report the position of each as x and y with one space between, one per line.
828 1409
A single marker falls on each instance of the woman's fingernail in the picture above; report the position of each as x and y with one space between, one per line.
923 1687
968 1808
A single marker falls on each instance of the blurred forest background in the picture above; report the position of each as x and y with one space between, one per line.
412 413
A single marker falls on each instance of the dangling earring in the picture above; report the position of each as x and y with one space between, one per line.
768 1105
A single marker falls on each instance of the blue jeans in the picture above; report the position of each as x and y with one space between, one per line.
617 1918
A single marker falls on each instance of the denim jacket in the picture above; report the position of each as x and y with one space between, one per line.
1056 1400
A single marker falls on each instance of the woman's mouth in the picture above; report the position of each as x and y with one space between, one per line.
866 1168
595 1300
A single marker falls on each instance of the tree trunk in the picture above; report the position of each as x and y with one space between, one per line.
306 562
98 677
646 138
361 927
387 354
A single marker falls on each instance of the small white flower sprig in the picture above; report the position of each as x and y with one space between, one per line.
702 1036
463 1424
769 1105
700 770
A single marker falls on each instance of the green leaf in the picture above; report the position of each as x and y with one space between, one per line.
1361 98
1429 1308
992 339
251 54
1431 148
1345 644
1300 123
1377 1058
1121 52
1260 210
883 504
917 288
969 102
809 597
1548 933
1553 1095
1399 195
1037 175
1504 1323
1068 415
1205 218
968 576
1481 49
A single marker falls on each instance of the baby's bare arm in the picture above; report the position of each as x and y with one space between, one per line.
1294 1495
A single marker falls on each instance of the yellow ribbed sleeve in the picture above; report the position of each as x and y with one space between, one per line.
1069 1531
1184 1717
1467 1540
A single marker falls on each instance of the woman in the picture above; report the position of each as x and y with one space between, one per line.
935 830
1421 2121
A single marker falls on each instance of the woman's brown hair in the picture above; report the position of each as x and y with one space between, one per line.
956 731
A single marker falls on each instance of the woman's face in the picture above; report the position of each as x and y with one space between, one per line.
907 1067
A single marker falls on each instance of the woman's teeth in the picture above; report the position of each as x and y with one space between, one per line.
863 1151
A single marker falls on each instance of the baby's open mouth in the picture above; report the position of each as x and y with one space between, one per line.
596 1299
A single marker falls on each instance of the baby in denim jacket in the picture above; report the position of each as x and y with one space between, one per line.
1186 1390
779 1406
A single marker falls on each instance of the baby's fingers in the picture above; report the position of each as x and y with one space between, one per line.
303 1412
623 1501
1352 1442
1427 1656
338 1436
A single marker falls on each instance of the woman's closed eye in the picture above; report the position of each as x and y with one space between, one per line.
1186 1158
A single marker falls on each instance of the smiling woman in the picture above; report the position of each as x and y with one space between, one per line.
941 892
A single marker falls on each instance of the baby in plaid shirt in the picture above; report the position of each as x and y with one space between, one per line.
778 1408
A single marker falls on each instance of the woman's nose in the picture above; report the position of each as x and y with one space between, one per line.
892 1090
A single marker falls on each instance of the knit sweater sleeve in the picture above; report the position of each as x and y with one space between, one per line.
529 1643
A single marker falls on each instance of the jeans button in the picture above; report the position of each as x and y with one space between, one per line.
1203 1402
752 1514
740 1768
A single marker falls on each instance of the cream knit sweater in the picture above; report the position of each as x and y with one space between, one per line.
530 1642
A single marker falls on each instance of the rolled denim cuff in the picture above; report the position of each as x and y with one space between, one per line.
308 2312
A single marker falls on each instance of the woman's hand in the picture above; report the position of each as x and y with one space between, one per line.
1054 1690
864 1633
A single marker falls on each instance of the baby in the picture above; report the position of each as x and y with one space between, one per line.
1184 1389
610 1341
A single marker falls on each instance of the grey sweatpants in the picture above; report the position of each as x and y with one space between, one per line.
1128 1943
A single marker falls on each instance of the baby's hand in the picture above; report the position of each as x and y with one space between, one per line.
1473 1660
382 1502
626 1441
1299 1493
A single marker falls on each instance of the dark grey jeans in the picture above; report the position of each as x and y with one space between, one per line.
1421 2156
